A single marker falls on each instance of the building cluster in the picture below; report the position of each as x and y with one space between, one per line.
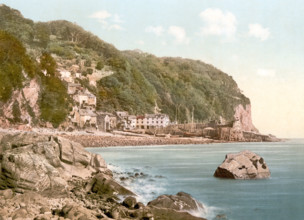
85 116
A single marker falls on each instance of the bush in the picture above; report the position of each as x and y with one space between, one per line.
99 65
88 63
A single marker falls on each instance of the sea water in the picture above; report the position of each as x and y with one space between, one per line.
157 170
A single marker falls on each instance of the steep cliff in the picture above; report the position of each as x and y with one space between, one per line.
244 116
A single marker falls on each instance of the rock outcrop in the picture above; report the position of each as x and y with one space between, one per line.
48 177
27 99
104 184
243 165
39 162
243 115
179 202
179 206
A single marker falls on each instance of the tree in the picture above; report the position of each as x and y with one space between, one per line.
42 33
16 111
13 60
48 64
53 100
99 65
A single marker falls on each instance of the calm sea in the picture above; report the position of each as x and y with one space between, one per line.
190 168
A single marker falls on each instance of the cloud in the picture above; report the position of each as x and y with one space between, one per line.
101 16
157 30
179 34
140 42
258 31
117 19
109 21
115 27
266 72
218 23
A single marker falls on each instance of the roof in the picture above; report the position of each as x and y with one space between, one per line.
156 115
86 94
87 112
122 113
104 113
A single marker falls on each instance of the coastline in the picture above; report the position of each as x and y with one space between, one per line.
72 183
93 141
121 139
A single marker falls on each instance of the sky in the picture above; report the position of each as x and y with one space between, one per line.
259 43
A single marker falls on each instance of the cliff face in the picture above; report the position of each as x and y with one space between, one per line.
243 115
25 102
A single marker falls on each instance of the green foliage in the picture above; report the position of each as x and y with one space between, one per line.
61 50
173 83
42 33
13 22
99 65
138 81
88 63
48 63
90 71
53 100
16 111
13 59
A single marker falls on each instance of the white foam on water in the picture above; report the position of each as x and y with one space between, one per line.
208 212
146 187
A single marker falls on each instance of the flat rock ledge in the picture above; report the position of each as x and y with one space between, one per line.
243 165
46 177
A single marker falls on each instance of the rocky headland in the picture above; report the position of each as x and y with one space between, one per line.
50 177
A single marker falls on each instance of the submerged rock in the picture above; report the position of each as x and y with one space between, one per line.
243 165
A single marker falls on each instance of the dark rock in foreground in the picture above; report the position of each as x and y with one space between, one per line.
166 206
243 165
180 202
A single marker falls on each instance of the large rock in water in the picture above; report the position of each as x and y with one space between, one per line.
243 165
30 161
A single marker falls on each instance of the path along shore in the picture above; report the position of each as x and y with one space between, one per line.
110 141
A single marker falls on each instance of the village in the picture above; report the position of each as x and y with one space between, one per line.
84 115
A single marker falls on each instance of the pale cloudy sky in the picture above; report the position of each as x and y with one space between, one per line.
260 43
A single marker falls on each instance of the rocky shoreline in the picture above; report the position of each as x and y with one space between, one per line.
48 177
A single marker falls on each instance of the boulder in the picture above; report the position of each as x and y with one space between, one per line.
74 211
7 193
104 184
243 165
179 202
171 214
129 202
29 161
